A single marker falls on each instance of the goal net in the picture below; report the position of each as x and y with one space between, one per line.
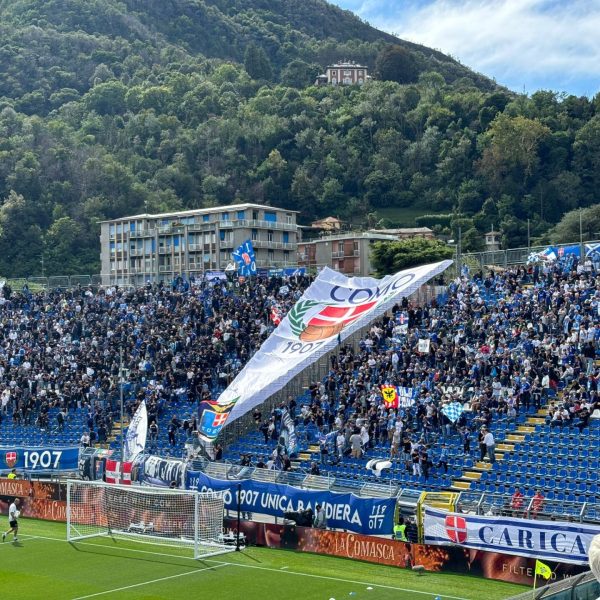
176 518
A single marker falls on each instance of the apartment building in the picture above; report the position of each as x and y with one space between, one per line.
347 253
142 248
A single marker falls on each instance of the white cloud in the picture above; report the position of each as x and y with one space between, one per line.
519 42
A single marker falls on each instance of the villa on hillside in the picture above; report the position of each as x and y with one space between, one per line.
344 73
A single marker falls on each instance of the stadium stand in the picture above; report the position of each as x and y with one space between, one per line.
513 348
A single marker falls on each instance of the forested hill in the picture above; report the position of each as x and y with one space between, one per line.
110 108
59 42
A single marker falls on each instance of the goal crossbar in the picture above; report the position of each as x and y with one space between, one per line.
149 515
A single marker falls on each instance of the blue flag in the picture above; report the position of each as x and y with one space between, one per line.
246 259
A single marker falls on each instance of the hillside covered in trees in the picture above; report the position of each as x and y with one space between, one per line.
110 108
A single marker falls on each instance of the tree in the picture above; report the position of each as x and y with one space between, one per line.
299 74
20 237
395 63
567 230
257 63
390 257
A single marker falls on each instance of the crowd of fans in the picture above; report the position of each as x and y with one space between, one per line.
61 351
501 343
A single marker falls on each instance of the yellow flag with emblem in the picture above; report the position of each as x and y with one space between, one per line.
390 396
543 569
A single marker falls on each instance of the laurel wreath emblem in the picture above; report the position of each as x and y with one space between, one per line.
296 315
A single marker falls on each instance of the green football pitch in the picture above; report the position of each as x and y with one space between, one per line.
43 565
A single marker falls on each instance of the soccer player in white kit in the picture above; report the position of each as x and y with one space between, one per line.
13 515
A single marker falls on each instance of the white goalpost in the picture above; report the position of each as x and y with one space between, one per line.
159 516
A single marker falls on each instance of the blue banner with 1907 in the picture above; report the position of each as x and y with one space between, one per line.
39 458
344 511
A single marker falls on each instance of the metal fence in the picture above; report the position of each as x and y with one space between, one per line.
478 503
578 587
510 257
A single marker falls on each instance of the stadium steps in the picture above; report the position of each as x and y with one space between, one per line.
480 465
504 447
526 428
472 475
536 421
460 485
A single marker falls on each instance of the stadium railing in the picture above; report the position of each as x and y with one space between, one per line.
501 505
578 587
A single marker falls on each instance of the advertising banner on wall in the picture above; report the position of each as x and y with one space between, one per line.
543 540
447 559
330 310
39 458
343 511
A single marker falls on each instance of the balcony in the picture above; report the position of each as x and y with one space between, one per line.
344 254
141 233
136 252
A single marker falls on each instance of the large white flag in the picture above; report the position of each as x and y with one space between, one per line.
330 310
135 438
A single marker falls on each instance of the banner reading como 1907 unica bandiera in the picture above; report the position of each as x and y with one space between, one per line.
330 310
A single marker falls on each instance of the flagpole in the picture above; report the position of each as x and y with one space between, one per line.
122 411
534 584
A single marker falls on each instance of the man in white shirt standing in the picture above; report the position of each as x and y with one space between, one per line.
490 444
13 515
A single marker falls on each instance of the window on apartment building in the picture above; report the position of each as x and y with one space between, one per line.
176 241
286 256
271 254
225 216
119 228
289 218
205 218
132 226
270 217
269 236
286 237
254 235
255 215
222 235
111 230
112 265
241 214
112 247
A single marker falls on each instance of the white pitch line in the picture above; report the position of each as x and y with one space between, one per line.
136 585
281 572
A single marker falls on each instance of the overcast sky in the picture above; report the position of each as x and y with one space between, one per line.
525 45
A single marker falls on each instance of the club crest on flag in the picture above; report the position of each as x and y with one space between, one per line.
390 396
10 458
326 323
213 417
245 258
456 529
